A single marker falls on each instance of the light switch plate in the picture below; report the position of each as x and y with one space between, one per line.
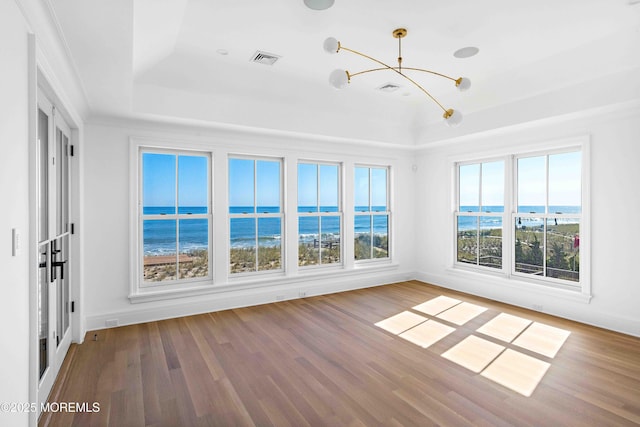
16 242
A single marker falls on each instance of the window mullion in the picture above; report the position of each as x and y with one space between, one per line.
255 213
177 210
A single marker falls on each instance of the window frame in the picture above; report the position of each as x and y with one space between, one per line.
257 216
320 214
580 290
179 285
372 214
481 214
545 216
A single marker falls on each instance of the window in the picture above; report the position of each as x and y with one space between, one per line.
319 214
547 222
543 209
255 215
175 220
371 224
479 214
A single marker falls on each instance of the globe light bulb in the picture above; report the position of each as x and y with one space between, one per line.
463 84
339 79
452 118
331 45
319 4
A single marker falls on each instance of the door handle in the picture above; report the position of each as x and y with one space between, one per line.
56 264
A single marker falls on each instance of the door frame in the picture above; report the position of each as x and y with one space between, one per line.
43 78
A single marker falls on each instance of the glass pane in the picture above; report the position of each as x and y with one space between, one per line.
159 246
307 187
241 186
467 232
61 181
308 240
242 253
269 243
532 184
43 178
361 189
329 188
490 242
43 308
193 239
493 187
65 287
330 249
379 190
158 183
529 246
268 186
193 184
381 236
563 248
565 189
61 282
362 240
469 188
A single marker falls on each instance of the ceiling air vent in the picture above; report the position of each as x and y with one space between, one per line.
264 58
389 87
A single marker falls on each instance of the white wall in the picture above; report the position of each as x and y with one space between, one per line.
615 284
107 210
14 213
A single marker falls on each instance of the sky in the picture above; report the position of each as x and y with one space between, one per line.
374 179
159 180
247 174
308 176
564 181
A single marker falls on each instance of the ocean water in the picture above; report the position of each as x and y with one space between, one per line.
159 236
469 223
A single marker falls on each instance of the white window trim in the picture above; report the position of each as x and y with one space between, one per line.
581 291
503 215
140 291
257 215
387 213
339 214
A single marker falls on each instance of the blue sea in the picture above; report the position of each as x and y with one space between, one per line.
159 235
470 223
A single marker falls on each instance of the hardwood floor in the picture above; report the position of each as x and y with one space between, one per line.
322 361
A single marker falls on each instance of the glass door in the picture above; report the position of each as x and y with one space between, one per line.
53 284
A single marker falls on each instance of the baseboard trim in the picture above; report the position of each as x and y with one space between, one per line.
241 298
567 309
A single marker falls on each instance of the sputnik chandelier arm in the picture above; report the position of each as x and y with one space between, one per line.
341 78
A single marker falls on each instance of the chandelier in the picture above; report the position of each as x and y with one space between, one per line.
340 78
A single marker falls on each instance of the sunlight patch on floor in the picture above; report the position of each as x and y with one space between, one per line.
473 353
401 322
428 333
517 371
461 313
506 366
542 339
436 305
504 327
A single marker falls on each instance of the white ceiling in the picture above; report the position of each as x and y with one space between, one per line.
159 58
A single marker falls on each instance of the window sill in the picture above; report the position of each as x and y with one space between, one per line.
499 278
155 294
258 281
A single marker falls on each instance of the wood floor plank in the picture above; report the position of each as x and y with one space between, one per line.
322 361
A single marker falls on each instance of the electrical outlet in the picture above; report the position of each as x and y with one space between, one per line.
302 294
537 307
279 297
111 323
